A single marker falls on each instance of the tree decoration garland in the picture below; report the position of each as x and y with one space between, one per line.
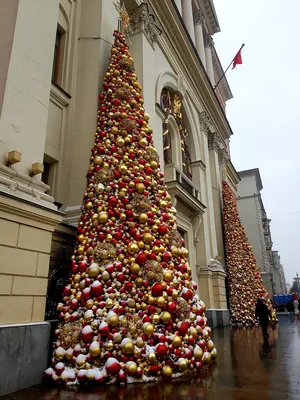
244 279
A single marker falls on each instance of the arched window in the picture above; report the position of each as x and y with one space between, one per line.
171 103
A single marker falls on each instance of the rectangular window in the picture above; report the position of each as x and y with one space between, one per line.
57 59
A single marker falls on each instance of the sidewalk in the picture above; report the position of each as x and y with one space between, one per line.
246 369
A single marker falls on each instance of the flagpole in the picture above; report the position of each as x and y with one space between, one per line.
224 73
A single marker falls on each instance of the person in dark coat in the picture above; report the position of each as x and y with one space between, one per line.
263 314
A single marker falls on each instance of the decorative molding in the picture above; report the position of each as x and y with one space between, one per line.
208 41
223 157
197 221
143 21
199 18
20 185
214 141
215 265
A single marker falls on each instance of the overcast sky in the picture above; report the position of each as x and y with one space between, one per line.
265 111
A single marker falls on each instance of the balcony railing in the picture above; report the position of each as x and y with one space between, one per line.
173 174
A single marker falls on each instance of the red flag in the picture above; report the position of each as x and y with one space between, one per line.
237 59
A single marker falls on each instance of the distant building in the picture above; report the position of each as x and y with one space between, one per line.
279 282
257 227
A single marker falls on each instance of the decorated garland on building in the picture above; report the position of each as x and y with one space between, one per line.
130 311
244 279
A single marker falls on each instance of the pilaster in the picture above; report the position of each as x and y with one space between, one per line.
199 39
209 43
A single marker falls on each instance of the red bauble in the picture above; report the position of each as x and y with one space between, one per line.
171 307
183 328
112 366
163 230
161 350
87 334
157 289
96 289
141 258
74 304
104 329
187 294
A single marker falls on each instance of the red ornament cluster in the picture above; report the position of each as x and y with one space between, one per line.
244 279
130 311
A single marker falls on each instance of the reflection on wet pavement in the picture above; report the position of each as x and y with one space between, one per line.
246 369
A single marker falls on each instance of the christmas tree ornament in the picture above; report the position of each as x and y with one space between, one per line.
130 310
244 279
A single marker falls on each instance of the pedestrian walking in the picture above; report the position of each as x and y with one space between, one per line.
263 314
296 308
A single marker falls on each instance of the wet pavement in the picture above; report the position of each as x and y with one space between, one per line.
246 369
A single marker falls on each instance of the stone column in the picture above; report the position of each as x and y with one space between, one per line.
187 15
179 6
199 39
208 43
214 143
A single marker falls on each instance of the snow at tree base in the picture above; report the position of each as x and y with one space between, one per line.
244 279
130 312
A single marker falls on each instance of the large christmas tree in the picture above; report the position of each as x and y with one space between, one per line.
244 279
130 311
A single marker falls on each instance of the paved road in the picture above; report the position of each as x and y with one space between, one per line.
246 369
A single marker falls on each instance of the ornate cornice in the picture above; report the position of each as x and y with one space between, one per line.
208 41
143 21
199 18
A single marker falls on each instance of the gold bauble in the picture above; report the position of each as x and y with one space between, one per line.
160 301
175 251
133 329
80 250
214 354
139 342
193 332
109 303
143 142
185 253
123 169
131 303
166 371
76 278
113 320
140 187
153 164
151 300
166 317
114 130
120 142
183 364
139 282
176 342
95 351
206 359
210 345
131 368
98 160
117 338
149 329
102 218
198 354
147 238
93 271
152 357
133 248
135 268
205 333
123 115
168 276
143 218
155 319
128 348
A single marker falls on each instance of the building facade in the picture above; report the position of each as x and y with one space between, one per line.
257 227
279 281
54 56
